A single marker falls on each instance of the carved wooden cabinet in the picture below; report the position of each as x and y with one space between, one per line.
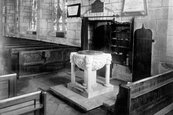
38 62
121 42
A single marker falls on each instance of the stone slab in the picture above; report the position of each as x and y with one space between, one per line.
97 90
83 102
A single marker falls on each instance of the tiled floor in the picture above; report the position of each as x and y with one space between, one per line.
55 105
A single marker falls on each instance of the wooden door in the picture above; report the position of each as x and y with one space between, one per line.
142 54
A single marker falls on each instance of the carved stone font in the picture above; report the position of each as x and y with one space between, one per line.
90 62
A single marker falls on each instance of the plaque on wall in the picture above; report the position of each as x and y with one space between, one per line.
134 8
73 10
97 6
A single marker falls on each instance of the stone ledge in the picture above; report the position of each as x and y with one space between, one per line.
83 102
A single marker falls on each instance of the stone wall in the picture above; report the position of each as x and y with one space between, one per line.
25 16
2 68
157 20
73 35
0 39
45 17
10 18
169 40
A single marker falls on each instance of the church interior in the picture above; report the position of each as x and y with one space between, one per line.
86 57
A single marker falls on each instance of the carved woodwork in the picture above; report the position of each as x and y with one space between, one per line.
142 53
29 58
13 51
43 61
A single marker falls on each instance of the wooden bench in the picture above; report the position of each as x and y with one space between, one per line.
11 49
31 103
10 41
49 57
146 97
13 52
7 86
36 62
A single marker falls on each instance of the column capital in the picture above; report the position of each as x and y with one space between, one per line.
109 59
71 57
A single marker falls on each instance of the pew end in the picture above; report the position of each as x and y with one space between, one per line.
34 103
148 96
8 85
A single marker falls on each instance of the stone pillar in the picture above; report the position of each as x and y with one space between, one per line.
72 68
88 62
94 77
85 78
107 74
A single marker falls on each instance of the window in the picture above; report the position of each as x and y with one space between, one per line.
33 24
25 18
9 15
60 11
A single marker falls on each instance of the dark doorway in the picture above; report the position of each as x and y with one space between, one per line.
100 38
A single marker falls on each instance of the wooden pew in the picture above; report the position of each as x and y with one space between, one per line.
145 97
20 41
13 52
36 62
7 85
31 103
12 46
15 55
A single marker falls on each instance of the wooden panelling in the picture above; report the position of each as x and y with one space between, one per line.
42 61
146 96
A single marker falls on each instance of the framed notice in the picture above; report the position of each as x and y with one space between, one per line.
73 10
134 8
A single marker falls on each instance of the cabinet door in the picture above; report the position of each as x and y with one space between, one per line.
142 54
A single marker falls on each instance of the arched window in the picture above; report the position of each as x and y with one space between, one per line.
33 24
60 9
